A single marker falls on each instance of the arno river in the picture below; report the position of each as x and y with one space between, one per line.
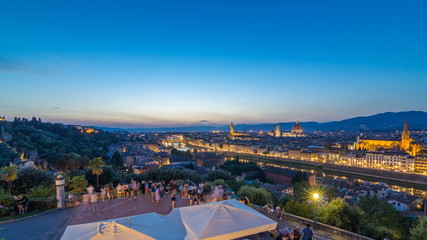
413 189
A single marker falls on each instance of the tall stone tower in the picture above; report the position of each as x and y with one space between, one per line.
277 132
231 128
231 133
406 137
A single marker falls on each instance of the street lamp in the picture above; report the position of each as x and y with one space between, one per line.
315 201
315 196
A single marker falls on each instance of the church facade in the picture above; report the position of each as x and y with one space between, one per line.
232 134
406 143
296 131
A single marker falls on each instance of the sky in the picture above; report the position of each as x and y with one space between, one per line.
180 63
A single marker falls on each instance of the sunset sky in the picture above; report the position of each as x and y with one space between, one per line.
174 63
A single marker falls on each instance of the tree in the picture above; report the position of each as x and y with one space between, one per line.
77 184
96 166
218 174
419 231
84 162
67 162
108 175
9 174
386 219
299 177
186 154
29 178
237 168
300 190
340 214
162 174
116 160
299 208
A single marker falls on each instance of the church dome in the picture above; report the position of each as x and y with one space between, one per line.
297 128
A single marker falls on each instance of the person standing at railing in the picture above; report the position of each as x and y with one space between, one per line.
307 233
296 234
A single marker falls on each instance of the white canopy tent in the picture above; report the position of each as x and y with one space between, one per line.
214 221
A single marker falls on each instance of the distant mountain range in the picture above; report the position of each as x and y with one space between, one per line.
383 121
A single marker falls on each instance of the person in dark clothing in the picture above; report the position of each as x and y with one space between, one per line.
22 204
173 199
296 234
307 233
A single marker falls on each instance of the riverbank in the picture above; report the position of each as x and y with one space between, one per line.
417 179
393 178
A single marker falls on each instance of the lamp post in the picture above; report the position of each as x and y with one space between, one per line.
315 199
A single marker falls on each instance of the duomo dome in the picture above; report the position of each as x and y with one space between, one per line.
297 128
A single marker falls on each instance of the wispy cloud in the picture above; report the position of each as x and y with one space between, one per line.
204 121
13 65
60 59
9 65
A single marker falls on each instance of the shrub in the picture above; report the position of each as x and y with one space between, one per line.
221 182
419 231
340 214
235 185
258 196
8 203
299 208
42 191
29 178
42 203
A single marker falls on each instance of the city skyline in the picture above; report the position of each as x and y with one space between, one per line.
167 64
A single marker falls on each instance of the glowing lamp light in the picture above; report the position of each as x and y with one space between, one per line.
316 196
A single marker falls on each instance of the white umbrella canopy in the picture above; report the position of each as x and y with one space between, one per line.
223 220
160 227
101 231
212 221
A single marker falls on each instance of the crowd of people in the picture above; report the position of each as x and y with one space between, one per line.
295 234
195 193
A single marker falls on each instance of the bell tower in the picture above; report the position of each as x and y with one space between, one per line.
231 133
406 137
277 132
231 128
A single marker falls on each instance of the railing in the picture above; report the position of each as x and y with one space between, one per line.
282 223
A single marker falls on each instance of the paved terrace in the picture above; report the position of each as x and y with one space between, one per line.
52 224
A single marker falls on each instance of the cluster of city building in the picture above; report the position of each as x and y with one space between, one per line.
143 151
402 154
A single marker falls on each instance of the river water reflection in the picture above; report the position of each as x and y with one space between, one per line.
419 190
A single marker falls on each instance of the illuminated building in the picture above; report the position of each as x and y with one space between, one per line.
86 129
176 141
277 132
308 155
394 161
236 135
294 153
352 159
297 128
421 164
406 143
296 131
